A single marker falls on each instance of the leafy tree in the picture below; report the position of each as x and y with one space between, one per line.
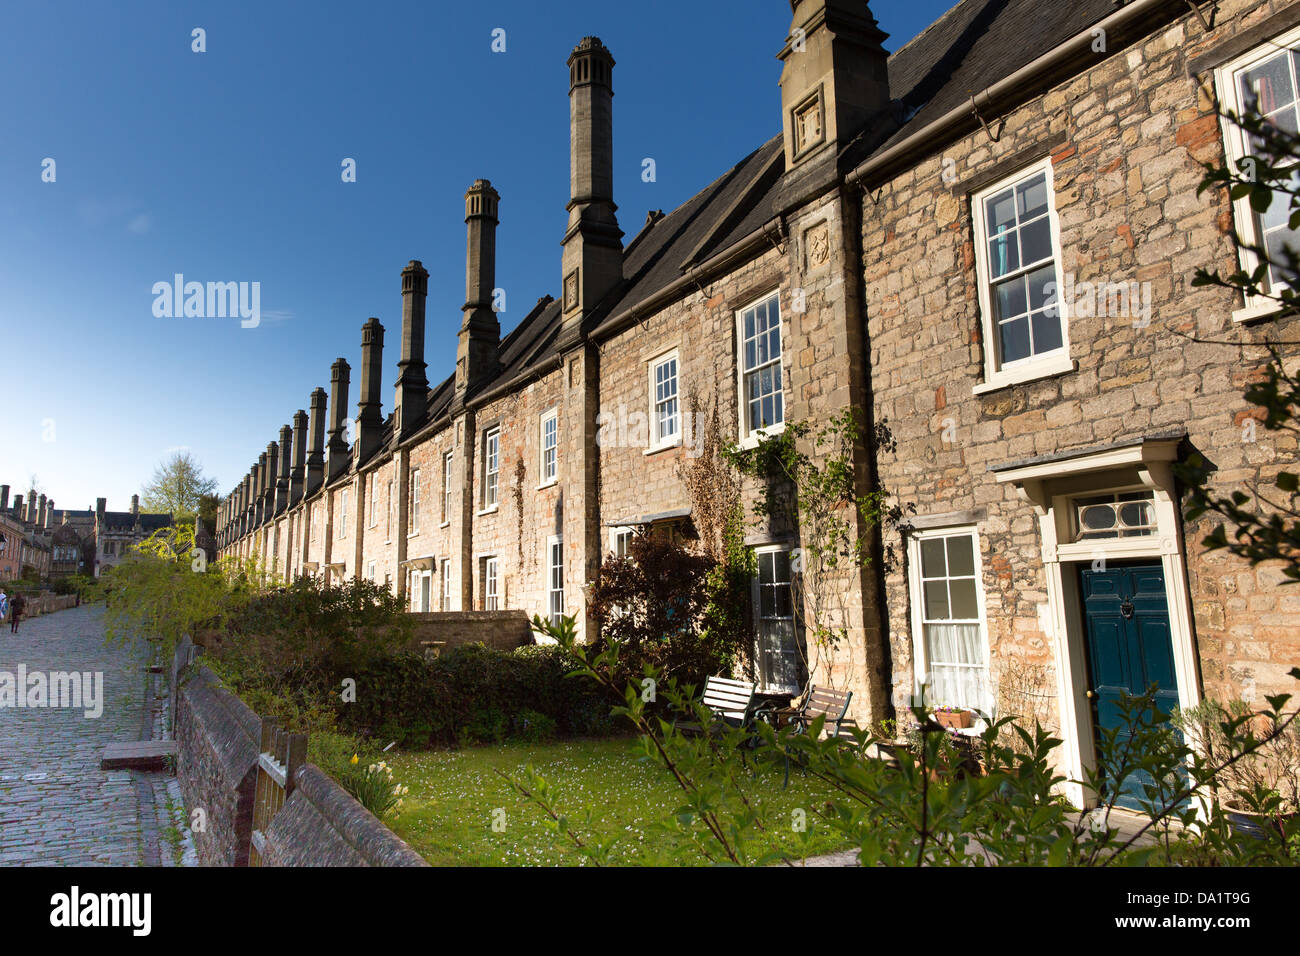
178 487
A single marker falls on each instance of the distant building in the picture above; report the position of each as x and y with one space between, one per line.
116 532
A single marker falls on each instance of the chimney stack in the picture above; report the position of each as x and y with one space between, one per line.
370 418
592 263
135 504
412 384
282 476
4 498
316 442
40 513
299 470
49 515
337 459
101 505
272 479
18 507
479 341
834 82
31 505
259 490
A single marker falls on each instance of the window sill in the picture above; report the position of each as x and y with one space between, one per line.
445 524
490 510
548 484
1030 372
413 534
663 446
752 439
1263 309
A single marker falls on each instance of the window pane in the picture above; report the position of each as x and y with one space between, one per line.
1000 212
1036 241
1047 332
936 600
1004 256
962 594
1267 87
1012 298
961 555
1015 340
1042 288
933 564
1031 197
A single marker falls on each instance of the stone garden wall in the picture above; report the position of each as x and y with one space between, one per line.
320 824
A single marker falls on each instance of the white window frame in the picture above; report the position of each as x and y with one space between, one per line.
444 585
756 586
448 472
370 571
920 652
374 500
658 440
1234 140
996 374
550 471
491 468
750 438
415 501
555 578
491 575
618 533
388 519
343 513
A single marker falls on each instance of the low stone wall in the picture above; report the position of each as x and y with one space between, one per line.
218 740
47 602
502 630
322 825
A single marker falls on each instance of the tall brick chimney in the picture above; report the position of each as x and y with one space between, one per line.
316 442
272 479
260 489
18 507
135 504
282 473
340 376
592 263
101 505
412 383
31 505
4 498
479 342
40 513
299 471
48 523
370 418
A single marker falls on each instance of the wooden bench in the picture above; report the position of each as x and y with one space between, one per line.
731 702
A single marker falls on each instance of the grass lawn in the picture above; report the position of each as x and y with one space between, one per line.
448 814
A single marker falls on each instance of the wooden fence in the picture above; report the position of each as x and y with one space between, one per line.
277 765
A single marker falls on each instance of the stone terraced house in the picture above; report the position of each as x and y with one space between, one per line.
984 242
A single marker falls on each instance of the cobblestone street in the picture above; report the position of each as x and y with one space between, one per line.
56 806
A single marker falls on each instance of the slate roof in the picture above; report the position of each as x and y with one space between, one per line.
125 521
972 46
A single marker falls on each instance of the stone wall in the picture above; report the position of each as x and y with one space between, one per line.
503 630
218 739
321 824
217 744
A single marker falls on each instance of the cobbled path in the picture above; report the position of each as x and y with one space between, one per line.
56 806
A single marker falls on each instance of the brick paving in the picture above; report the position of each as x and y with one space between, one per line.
56 806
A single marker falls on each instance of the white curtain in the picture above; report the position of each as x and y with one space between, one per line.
957 676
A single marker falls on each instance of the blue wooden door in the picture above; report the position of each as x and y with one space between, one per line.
1130 647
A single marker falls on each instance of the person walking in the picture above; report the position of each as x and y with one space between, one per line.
4 605
16 607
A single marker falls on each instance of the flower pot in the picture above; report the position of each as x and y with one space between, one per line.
955 719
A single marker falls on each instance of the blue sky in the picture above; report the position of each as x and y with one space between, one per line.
225 166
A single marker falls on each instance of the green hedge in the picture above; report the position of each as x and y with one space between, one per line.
474 694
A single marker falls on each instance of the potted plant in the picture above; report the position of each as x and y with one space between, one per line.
1260 792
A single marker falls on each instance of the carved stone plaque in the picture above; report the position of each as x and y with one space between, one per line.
818 244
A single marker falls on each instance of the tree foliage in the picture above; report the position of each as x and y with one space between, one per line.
177 487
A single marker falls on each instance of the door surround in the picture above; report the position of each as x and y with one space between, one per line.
1049 485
